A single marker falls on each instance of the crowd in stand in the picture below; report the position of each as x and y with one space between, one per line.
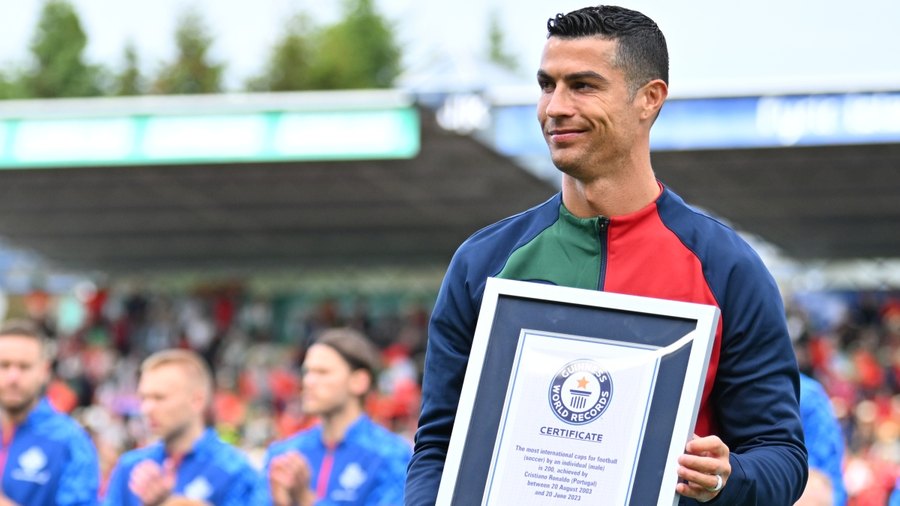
849 342
255 347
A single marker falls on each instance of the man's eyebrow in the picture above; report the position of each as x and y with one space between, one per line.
587 74
575 76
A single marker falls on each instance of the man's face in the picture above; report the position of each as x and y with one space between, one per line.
588 119
170 401
328 382
23 373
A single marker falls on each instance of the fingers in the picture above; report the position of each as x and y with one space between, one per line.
704 464
710 446
149 482
290 470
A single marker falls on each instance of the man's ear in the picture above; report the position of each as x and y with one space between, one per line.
360 382
651 97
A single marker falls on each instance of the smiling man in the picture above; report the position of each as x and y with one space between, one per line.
46 458
189 465
603 79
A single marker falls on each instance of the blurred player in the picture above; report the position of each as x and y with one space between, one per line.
190 465
347 458
46 457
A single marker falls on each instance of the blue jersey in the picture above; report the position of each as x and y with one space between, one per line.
824 440
213 471
50 461
895 496
367 468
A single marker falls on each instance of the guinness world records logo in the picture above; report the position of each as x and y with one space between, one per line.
580 392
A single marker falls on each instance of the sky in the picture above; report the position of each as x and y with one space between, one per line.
716 47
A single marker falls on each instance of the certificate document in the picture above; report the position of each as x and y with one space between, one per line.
576 397
571 427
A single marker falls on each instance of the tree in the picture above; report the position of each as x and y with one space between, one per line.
130 81
496 51
191 72
59 69
288 65
357 52
11 86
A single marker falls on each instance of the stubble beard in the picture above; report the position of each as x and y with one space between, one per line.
18 409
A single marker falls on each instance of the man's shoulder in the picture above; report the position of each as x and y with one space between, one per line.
509 233
297 441
711 239
380 440
132 457
544 213
227 456
53 425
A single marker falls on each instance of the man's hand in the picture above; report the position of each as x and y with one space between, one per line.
6 501
151 483
704 458
289 477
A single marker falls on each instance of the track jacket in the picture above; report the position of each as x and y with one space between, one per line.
213 471
666 250
367 468
49 461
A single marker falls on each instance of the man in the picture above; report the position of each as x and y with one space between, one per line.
825 445
603 79
46 457
346 459
189 464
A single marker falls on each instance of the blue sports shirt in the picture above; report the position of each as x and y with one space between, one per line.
50 461
824 440
367 468
213 471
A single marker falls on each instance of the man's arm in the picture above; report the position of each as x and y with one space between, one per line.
391 473
756 393
449 342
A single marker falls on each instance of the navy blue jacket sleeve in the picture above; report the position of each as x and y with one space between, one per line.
756 392
449 341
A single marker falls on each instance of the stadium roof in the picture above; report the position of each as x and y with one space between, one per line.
310 180
158 210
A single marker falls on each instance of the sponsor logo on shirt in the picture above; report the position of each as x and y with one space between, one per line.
31 466
350 480
199 489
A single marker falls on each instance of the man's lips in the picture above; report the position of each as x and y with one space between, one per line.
561 135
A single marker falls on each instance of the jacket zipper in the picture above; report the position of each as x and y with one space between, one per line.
603 237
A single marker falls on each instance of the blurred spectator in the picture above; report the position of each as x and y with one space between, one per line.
850 342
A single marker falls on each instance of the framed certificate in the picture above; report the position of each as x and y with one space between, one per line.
576 397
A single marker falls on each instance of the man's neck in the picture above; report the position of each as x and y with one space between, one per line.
181 443
12 419
613 195
335 425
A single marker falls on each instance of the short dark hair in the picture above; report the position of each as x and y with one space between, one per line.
354 347
21 327
641 53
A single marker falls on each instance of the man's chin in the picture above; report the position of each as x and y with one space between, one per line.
17 406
